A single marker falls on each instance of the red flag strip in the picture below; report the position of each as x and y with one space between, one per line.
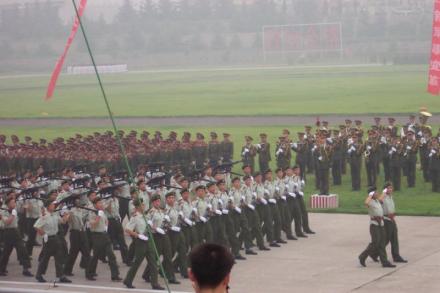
434 65
60 62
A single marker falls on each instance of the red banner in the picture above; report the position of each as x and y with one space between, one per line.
60 62
434 65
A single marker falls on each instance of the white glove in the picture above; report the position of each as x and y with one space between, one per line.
181 214
279 151
218 212
277 188
320 158
14 212
433 152
209 206
194 210
100 213
369 147
149 222
292 194
263 201
45 238
420 133
330 140
393 149
220 201
160 231
385 190
383 139
167 218
254 193
408 147
188 221
350 141
142 237
259 146
203 219
294 145
301 193
266 191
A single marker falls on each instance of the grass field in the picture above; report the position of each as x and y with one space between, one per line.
415 201
282 91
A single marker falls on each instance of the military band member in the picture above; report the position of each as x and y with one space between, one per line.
434 164
199 151
47 227
377 230
301 148
337 158
12 238
355 149
410 156
283 153
395 153
101 243
323 154
248 153
371 154
214 150
263 150
227 147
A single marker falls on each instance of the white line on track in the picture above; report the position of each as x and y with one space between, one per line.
214 69
59 286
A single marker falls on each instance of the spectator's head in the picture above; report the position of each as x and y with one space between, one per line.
210 268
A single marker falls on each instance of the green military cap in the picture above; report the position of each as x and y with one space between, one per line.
171 193
221 181
377 118
348 121
155 197
213 134
248 138
391 119
226 134
210 184
200 136
300 133
286 132
342 126
263 135
357 122
137 202
308 127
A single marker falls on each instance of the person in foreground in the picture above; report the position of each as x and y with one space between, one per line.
210 268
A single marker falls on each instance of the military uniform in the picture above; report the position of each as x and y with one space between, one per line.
354 152
115 230
264 156
240 220
177 238
377 232
101 246
392 237
248 153
33 208
52 245
143 247
252 216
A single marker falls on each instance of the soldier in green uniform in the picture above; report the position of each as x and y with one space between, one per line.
79 241
188 228
270 193
377 231
138 230
202 214
280 194
263 210
248 153
33 208
301 147
199 151
177 237
283 152
216 219
159 226
251 214
227 147
47 227
101 243
323 154
241 223
263 150
371 154
434 164
214 150
355 149
389 211
410 155
337 158
12 238
395 153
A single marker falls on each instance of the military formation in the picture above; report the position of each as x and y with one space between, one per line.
157 214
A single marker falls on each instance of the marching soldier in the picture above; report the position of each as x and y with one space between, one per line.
263 150
177 238
248 153
32 207
115 229
251 214
390 224
280 193
377 231
300 184
291 182
188 228
202 210
217 224
101 243
241 223
47 227
12 238
263 210
138 230
159 226
270 192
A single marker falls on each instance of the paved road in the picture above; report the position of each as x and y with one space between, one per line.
325 262
200 121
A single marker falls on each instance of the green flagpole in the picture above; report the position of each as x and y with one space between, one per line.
118 138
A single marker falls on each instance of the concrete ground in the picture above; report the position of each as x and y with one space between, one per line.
325 262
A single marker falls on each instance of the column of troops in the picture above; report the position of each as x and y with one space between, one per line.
73 197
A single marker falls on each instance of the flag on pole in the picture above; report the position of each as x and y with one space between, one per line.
434 65
60 62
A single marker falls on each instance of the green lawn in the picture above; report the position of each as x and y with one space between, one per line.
299 91
415 201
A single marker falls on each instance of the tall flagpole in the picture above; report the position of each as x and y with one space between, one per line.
121 146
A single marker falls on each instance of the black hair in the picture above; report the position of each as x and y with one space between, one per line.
210 263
